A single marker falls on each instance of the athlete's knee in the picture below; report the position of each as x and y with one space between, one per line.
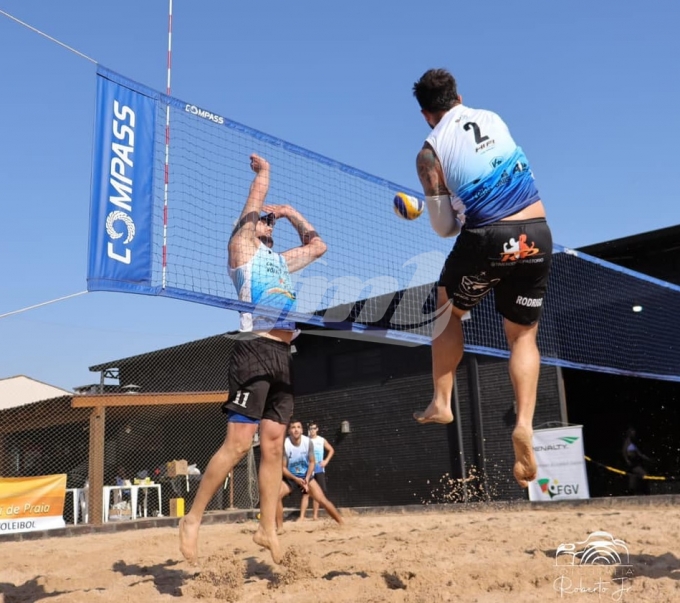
238 446
272 436
239 440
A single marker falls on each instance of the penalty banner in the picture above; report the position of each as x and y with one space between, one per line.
32 503
561 465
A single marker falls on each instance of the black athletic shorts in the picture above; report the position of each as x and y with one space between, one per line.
261 379
320 479
511 257
293 485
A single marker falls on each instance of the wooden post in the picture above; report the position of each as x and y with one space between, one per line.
231 490
96 464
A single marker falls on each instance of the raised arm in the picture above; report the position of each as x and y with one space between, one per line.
312 247
445 221
243 241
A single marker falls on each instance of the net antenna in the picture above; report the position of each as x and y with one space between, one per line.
166 178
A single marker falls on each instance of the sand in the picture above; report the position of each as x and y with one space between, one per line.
475 554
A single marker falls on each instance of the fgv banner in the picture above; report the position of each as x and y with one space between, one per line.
561 465
121 206
32 503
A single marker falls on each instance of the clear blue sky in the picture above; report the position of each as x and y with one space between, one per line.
589 90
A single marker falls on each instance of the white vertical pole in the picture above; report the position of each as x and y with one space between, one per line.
167 151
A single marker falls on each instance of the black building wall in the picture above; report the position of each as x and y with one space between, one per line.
607 405
489 450
388 459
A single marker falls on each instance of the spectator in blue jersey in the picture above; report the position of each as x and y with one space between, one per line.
478 183
298 472
260 375
322 448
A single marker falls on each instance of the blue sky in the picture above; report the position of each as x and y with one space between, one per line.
588 89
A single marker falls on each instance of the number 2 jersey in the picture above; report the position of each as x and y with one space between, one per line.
483 166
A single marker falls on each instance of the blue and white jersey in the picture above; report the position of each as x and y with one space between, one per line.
298 456
318 442
483 166
265 281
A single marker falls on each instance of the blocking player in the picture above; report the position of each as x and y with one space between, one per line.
260 375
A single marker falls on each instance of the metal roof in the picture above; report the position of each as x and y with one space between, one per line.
655 253
164 352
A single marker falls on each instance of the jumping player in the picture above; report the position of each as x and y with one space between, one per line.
260 376
478 183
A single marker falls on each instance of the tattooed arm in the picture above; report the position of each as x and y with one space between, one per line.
312 247
445 220
430 172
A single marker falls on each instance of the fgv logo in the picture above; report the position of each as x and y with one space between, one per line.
119 222
553 488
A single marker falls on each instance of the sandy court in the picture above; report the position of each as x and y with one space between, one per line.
478 554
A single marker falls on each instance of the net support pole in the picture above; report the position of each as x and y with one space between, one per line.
166 178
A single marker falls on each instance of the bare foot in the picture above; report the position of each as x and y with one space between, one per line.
525 462
188 539
270 542
434 414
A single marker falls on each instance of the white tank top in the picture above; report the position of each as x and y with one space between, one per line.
298 456
319 448
483 166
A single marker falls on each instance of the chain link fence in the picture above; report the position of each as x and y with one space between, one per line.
144 434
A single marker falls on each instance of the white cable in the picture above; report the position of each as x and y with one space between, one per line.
42 304
42 33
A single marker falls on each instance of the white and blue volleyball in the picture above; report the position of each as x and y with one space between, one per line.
408 207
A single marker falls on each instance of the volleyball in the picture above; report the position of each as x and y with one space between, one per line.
407 207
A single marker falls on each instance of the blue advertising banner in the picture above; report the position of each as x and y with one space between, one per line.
121 206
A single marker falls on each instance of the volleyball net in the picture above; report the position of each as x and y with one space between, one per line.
164 204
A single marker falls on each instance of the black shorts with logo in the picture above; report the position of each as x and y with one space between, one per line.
261 379
511 257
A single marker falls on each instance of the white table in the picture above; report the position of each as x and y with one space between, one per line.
134 498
